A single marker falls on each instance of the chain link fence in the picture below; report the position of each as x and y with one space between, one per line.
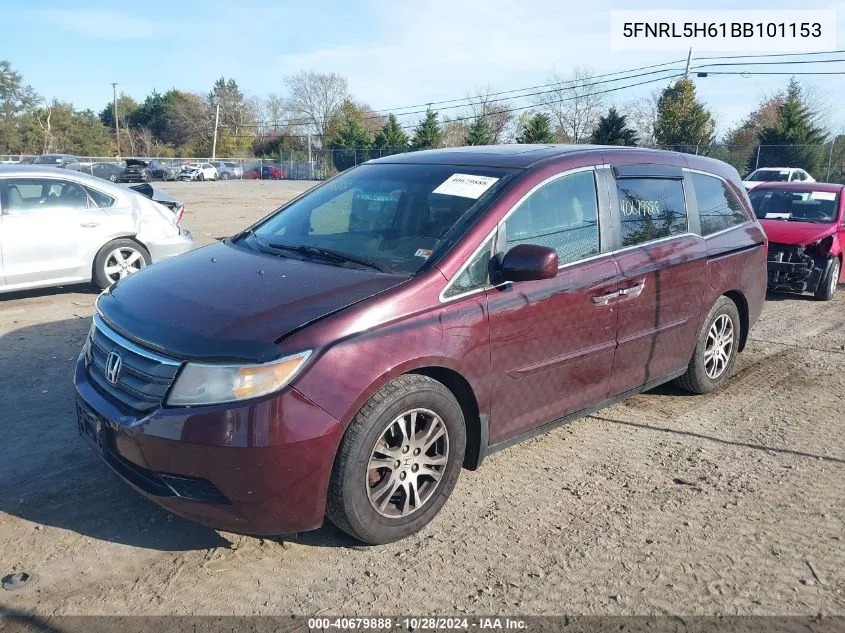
828 158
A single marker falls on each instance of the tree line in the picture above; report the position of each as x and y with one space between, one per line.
317 110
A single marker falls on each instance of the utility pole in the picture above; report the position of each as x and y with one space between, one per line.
310 164
829 160
757 162
114 107
216 122
689 59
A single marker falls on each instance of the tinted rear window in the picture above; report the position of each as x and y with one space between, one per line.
650 209
718 207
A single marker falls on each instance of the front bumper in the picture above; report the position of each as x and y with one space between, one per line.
791 269
260 467
162 249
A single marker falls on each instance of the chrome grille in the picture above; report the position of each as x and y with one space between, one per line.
144 376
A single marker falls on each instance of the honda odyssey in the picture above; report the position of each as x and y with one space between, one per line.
348 354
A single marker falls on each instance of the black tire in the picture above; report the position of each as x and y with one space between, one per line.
112 178
697 379
348 504
200 176
829 281
99 274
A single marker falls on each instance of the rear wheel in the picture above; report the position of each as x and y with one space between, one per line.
398 462
715 351
829 281
119 259
113 177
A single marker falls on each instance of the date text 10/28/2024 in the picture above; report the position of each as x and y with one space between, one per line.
417 624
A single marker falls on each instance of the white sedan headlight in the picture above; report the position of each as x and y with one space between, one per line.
200 383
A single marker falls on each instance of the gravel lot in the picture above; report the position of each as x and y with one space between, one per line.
732 503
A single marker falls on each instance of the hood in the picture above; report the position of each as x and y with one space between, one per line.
797 233
223 302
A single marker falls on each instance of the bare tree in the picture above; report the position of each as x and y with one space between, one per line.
642 115
574 103
316 97
454 132
497 113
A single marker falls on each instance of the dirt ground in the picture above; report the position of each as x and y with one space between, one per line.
732 503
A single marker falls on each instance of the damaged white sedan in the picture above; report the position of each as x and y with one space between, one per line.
61 227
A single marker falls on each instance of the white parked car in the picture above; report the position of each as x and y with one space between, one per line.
198 171
60 227
776 174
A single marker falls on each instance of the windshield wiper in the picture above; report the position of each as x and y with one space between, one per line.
331 255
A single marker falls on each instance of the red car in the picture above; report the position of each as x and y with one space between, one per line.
805 224
347 355
264 172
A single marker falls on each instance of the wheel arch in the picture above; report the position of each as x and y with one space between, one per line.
476 425
741 304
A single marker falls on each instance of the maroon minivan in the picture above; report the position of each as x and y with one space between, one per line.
348 354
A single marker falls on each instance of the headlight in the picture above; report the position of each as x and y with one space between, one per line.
200 383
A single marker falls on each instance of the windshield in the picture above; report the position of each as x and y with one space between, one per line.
769 175
394 216
796 205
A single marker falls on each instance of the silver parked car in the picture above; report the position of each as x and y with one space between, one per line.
60 227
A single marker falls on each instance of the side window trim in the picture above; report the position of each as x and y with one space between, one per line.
691 193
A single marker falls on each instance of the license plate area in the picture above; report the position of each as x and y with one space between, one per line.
94 429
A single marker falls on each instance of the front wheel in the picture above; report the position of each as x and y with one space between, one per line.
398 462
118 259
715 351
112 178
200 176
829 281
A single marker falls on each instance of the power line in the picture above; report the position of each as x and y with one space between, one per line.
503 92
797 61
765 55
769 72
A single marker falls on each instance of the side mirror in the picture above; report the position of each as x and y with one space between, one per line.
528 262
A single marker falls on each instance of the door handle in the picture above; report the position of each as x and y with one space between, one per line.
605 299
633 291
90 225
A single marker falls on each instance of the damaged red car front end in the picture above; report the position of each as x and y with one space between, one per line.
804 224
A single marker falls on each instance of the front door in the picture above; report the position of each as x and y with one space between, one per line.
45 229
662 269
552 341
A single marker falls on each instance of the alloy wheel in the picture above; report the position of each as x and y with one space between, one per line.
407 463
123 261
719 346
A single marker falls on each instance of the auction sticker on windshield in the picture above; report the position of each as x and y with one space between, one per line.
465 186
823 195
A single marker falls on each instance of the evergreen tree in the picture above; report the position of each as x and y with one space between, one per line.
350 145
428 134
479 133
612 129
392 138
682 122
793 140
537 129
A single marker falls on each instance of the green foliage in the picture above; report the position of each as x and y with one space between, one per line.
391 137
428 134
479 133
17 102
682 122
537 129
793 140
126 108
350 140
612 129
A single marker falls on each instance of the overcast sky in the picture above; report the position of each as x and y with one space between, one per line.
393 53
